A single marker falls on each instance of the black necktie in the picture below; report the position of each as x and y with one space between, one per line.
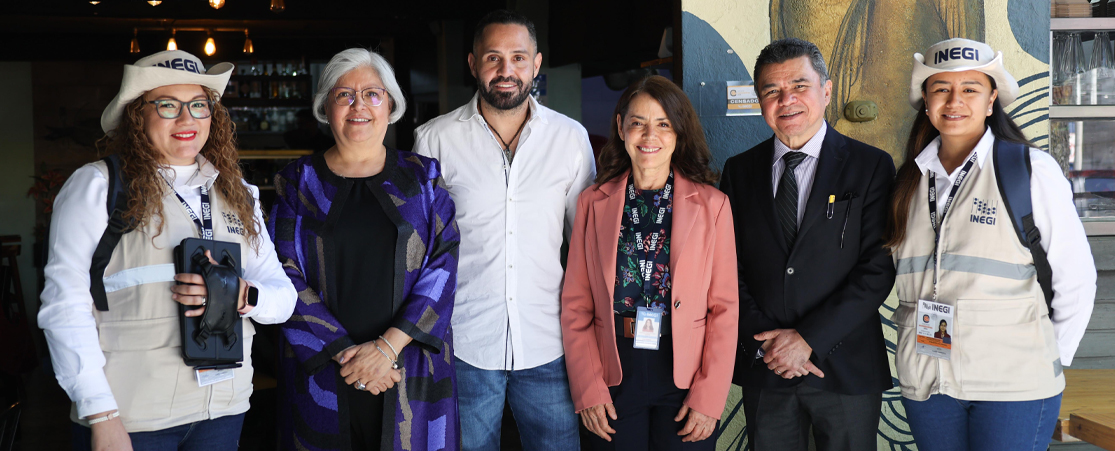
786 200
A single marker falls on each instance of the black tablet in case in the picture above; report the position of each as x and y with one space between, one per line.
216 350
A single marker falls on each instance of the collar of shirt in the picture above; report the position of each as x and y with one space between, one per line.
205 175
928 159
811 148
472 111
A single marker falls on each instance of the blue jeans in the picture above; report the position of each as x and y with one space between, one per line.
539 399
944 423
218 434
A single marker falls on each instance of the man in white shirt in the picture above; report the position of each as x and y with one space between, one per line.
514 169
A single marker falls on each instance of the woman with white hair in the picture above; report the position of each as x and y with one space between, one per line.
367 235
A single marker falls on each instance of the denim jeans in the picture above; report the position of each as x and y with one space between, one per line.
944 423
218 434
539 399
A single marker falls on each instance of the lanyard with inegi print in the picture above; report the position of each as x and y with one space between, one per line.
661 221
205 223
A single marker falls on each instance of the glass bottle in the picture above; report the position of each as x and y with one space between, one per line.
1101 70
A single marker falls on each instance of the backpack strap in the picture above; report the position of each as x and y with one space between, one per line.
1012 172
116 202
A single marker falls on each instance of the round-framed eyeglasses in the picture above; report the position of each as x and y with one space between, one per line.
172 108
347 96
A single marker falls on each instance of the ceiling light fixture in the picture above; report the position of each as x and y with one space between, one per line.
172 44
277 6
248 47
94 2
217 4
210 45
135 41
155 2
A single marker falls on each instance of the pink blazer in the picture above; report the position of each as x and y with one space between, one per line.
705 295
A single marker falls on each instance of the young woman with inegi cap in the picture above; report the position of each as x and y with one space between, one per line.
996 384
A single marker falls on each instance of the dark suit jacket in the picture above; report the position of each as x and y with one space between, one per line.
830 295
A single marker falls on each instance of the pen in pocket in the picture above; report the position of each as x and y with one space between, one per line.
847 213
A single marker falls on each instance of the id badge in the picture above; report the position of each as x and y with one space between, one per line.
935 328
210 376
648 327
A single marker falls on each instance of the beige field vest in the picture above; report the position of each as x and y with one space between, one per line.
140 336
1003 347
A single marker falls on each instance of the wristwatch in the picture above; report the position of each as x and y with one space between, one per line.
253 295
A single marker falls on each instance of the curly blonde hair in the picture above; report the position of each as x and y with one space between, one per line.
140 162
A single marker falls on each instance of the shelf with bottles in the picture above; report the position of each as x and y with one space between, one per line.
270 84
1082 115
1082 72
272 119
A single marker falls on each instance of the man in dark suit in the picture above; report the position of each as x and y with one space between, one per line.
810 207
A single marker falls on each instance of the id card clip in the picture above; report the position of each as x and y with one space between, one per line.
935 329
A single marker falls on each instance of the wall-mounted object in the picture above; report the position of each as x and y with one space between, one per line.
861 111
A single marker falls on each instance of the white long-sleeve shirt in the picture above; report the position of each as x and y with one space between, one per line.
1062 237
66 315
513 218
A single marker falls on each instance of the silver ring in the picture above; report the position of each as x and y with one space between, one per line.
778 373
360 386
204 300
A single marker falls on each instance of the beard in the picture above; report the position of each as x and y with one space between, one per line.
508 100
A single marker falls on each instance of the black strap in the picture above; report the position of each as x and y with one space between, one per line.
116 202
223 286
1012 172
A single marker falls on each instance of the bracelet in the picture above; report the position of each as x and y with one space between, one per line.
104 418
394 363
389 346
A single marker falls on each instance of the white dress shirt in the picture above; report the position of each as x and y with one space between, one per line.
806 170
66 315
1062 237
513 219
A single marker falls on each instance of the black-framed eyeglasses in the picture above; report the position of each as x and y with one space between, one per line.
172 109
347 96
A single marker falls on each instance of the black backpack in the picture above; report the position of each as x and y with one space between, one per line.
116 202
1012 171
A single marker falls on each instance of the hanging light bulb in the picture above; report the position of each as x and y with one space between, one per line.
248 47
277 6
210 46
172 44
155 2
217 4
135 41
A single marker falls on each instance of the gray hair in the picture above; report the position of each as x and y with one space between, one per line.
344 62
787 49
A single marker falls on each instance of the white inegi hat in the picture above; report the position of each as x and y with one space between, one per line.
959 55
170 67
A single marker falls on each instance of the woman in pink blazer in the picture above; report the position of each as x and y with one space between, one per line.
649 307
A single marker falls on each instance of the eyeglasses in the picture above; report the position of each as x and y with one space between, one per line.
172 109
347 96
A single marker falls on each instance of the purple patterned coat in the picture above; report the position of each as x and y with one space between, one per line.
420 413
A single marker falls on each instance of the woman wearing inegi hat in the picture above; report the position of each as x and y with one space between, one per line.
114 336
960 254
